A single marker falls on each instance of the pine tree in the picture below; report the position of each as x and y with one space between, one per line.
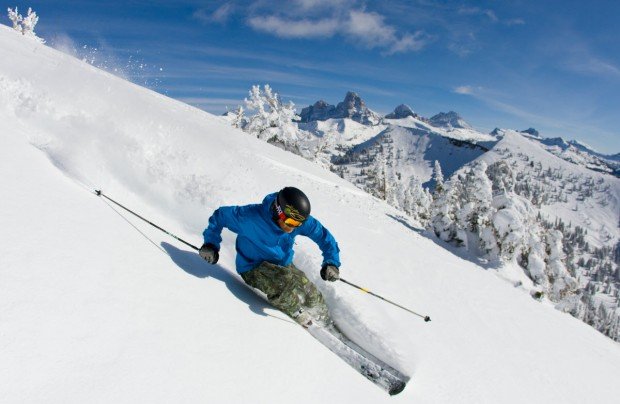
443 210
259 122
16 19
417 201
501 176
239 120
476 199
562 282
438 177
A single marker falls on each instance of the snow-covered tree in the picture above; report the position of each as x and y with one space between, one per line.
476 196
16 19
501 176
272 120
512 213
239 120
467 218
561 281
443 210
438 177
260 121
533 255
417 201
25 25
376 174
443 206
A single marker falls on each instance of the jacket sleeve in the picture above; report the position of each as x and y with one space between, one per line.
324 239
225 216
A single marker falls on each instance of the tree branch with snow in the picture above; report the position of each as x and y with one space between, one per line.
25 25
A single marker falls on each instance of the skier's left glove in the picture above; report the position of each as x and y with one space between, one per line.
330 273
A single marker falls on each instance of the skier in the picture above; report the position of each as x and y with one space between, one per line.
265 236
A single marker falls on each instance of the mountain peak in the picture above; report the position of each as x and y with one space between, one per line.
531 131
352 95
320 111
401 111
450 120
352 107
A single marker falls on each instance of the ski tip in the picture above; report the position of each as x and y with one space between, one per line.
397 388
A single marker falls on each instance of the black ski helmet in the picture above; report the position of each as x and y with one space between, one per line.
294 203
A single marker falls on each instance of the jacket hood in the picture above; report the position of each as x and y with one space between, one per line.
265 209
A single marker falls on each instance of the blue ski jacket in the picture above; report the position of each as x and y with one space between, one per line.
259 238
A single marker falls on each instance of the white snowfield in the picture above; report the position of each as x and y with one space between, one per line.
96 306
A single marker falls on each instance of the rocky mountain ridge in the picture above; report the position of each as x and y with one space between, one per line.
352 107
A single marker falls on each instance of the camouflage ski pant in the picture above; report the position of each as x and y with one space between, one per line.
288 289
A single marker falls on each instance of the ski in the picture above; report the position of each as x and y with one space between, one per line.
374 369
369 366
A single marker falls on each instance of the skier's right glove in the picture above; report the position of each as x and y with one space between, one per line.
330 273
210 253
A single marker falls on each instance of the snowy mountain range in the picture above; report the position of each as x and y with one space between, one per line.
449 124
98 306
566 187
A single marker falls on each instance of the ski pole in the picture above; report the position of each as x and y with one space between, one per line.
426 318
99 193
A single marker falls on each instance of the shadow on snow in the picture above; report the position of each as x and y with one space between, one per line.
193 264
457 251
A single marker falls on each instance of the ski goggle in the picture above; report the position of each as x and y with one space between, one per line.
285 216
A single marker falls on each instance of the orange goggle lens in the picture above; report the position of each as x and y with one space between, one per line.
292 222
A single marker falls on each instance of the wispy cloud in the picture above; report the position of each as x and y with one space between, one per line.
465 90
491 98
371 29
570 51
236 74
515 21
368 29
564 126
219 15
491 15
190 89
321 4
303 28
463 43
592 65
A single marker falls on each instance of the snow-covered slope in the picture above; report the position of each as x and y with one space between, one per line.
582 155
332 137
569 191
459 133
404 153
99 308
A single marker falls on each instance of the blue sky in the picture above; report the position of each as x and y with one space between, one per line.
551 65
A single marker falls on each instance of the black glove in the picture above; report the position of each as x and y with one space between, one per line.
330 273
210 253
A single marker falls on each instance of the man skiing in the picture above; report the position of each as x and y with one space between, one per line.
265 236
